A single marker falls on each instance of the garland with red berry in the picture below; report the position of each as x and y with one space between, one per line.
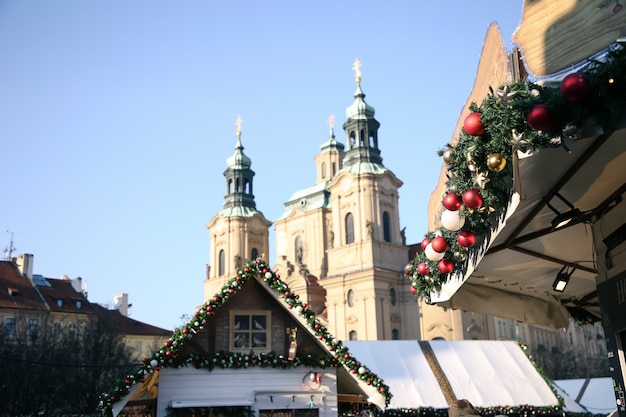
518 117
169 356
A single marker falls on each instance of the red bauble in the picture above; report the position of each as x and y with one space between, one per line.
539 117
452 202
466 238
425 243
439 244
575 87
445 266
413 290
472 198
422 268
472 124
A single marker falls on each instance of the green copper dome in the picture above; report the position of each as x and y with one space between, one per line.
359 110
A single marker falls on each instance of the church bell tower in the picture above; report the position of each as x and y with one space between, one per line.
367 295
239 232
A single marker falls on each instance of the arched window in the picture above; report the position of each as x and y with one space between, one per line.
361 139
386 227
221 263
352 335
299 250
395 334
349 228
323 170
230 186
238 182
255 254
393 296
352 139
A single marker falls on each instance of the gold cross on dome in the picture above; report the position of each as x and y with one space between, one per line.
331 121
357 70
238 123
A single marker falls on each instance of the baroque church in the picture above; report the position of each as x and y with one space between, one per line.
339 245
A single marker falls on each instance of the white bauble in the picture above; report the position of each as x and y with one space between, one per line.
432 255
452 220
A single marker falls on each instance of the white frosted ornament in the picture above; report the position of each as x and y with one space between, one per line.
452 220
433 255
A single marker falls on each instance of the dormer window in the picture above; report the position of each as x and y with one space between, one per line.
60 302
250 330
79 304
14 292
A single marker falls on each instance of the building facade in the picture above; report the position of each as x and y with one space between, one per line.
338 243
340 246
33 307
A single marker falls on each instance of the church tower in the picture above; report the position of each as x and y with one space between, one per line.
339 242
367 296
239 232
304 231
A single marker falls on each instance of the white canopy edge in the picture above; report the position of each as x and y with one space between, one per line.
449 288
211 402
514 306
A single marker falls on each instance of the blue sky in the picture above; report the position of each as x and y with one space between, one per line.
117 118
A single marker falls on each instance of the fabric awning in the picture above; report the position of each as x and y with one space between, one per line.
211 402
485 372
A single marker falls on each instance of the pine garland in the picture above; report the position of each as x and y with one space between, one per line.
169 356
504 114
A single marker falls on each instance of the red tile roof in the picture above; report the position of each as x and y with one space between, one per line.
16 290
62 297
128 326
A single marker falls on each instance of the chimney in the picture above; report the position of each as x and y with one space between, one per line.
79 286
24 263
120 303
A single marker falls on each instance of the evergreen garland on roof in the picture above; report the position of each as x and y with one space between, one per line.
521 117
169 356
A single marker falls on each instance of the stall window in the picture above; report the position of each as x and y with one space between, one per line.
250 330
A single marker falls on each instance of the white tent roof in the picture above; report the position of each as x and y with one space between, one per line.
597 395
487 373
569 404
402 365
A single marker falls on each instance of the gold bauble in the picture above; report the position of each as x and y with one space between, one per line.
496 162
447 155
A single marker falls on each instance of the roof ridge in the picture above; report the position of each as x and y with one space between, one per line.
168 354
